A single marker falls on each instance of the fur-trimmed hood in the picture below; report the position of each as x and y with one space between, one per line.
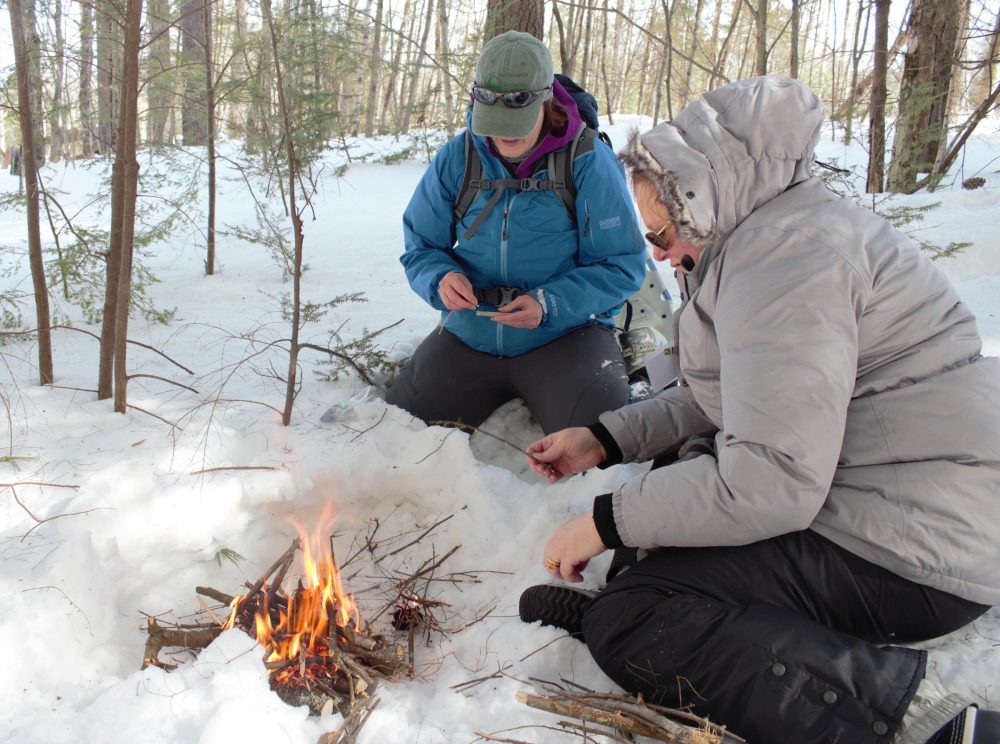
728 153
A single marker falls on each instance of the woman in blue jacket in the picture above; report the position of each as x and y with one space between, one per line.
525 290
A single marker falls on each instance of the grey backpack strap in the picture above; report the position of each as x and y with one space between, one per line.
561 167
473 172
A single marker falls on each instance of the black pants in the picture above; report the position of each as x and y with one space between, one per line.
778 640
568 382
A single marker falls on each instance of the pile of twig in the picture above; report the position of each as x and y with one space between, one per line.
339 674
621 717
345 664
344 675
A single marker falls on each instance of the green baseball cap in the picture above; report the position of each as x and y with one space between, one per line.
513 61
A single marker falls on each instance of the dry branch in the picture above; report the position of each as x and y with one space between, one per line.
469 428
221 597
632 717
160 637
225 468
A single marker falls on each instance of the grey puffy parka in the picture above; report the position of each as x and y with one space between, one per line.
837 369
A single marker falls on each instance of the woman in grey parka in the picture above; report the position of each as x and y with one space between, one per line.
832 452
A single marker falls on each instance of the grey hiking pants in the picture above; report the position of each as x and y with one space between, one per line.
568 382
780 640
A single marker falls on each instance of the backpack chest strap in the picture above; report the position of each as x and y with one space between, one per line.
498 186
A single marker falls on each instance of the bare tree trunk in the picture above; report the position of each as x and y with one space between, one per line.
945 162
588 26
240 67
390 96
194 129
442 55
923 97
793 57
565 58
832 27
158 94
57 139
574 35
293 167
30 166
85 94
619 68
862 89
747 60
760 18
108 53
515 15
876 109
411 96
127 134
106 362
720 64
857 51
691 50
375 62
993 55
811 22
210 127
33 46
604 58
647 51
957 71
661 70
359 77
668 14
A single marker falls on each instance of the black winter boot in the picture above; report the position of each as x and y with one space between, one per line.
559 606
971 726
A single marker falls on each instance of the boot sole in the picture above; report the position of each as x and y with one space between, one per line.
558 606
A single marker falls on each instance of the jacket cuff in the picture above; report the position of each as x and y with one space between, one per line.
539 296
611 449
604 521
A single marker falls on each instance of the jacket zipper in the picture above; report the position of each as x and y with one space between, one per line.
503 264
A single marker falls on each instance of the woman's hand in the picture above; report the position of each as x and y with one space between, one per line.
455 291
566 452
571 548
521 312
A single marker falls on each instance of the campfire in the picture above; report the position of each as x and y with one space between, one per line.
315 649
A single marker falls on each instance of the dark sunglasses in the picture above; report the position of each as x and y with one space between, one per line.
662 238
515 99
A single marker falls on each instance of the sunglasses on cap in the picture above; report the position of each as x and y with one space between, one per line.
515 99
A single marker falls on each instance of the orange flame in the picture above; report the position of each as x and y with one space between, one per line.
318 601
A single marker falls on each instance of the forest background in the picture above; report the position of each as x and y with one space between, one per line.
102 78
142 136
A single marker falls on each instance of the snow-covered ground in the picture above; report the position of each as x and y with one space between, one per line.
138 528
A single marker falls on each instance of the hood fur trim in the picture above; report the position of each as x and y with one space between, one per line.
638 159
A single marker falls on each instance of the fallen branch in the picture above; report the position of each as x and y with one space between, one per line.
159 637
232 467
632 717
220 597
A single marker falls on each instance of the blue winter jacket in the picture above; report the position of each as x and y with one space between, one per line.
528 241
